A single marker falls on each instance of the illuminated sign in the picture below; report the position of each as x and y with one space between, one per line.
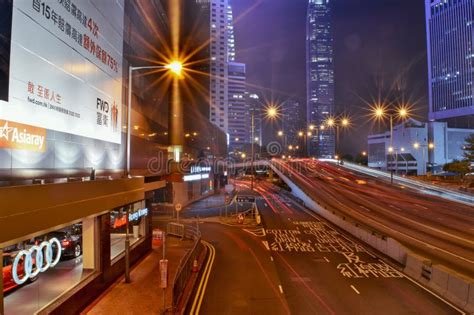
66 67
22 137
137 214
190 178
199 169
119 222
38 258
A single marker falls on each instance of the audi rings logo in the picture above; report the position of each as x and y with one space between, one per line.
37 259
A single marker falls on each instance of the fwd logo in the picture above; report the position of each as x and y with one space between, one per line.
103 106
22 137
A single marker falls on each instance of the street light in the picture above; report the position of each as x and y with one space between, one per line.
429 146
305 136
174 67
380 112
337 122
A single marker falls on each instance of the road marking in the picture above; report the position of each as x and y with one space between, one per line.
327 260
265 243
205 277
353 288
281 288
395 207
426 208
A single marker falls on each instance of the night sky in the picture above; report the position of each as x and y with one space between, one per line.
378 44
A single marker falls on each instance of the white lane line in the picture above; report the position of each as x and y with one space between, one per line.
423 207
395 207
354 288
281 288
327 260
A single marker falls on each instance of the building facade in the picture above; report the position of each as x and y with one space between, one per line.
320 75
450 61
63 144
219 53
256 107
417 147
239 114
292 125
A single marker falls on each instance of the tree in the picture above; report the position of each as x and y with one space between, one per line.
460 167
469 148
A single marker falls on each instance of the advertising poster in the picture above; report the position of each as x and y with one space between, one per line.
65 70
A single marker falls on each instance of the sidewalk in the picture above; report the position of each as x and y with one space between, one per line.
213 201
143 295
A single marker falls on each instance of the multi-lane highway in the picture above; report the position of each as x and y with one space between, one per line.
298 263
441 229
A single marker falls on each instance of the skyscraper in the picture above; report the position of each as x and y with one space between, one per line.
219 52
292 122
239 115
230 33
450 33
320 75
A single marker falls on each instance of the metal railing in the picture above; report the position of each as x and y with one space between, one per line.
185 268
175 229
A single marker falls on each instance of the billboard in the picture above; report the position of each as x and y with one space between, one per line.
66 67
5 35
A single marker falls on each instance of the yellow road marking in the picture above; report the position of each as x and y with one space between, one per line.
205 277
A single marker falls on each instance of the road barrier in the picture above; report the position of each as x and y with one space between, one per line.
186 265
175 229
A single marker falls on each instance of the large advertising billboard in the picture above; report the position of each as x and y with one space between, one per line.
66 67
5 38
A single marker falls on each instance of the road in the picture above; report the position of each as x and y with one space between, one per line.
301 264
438 228
420 186
243 279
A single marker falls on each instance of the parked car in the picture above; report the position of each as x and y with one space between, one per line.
8 282
71 240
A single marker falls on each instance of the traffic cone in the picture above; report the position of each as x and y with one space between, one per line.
195 265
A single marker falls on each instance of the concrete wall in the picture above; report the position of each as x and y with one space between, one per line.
446 283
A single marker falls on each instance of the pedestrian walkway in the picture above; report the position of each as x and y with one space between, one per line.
143 295
213 201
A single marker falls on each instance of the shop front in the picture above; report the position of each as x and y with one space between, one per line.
59 264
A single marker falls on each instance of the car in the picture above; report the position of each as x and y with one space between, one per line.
71 240
8 282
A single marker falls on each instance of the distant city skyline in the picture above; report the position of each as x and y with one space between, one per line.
371 48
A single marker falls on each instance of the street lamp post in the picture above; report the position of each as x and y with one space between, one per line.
336 123
176 68
424 148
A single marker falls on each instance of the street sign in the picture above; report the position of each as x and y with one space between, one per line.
163 273
245 199
178 207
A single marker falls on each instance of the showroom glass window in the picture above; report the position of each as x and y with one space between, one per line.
131 217
38 270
